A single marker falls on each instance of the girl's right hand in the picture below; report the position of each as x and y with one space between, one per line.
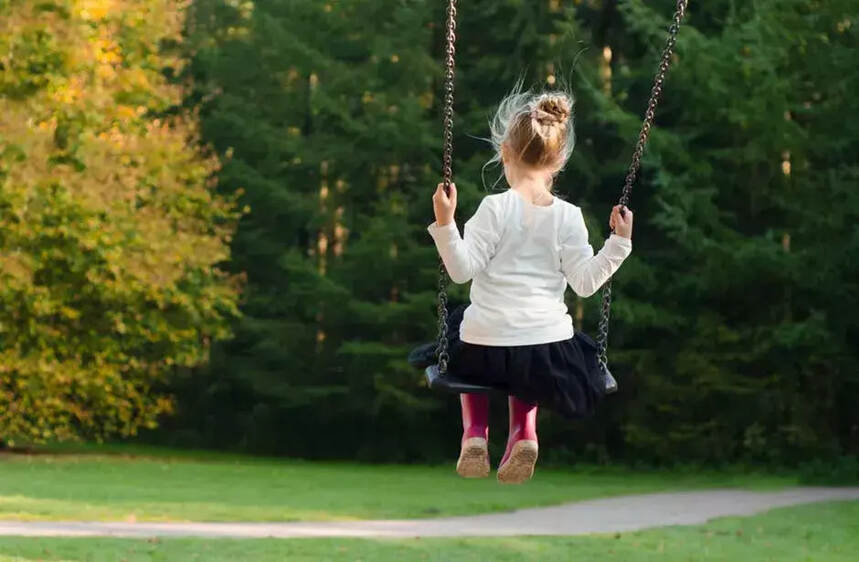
622 225
443 204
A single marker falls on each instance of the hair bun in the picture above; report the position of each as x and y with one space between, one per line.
534 129
552 109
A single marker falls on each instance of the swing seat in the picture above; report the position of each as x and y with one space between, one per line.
453 384
423 357
456 385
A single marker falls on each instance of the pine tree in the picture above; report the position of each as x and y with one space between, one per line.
322 108
741 351
732 320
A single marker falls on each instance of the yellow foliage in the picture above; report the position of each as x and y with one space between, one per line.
95 10
110 232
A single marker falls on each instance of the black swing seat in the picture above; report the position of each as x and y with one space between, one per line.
423 357
456 385
451 383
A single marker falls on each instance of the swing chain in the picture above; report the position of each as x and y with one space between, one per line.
635 165
447 176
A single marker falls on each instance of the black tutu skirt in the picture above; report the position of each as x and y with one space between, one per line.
563 376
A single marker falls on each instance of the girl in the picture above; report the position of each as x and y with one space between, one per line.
520 250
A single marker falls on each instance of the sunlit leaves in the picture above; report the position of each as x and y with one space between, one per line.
110 232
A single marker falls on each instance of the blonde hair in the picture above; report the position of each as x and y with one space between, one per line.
536 128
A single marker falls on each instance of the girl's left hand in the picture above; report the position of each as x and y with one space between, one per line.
444 205
622 225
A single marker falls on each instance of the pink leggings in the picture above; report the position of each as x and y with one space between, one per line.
475 419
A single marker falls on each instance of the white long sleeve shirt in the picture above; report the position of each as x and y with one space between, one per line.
521 257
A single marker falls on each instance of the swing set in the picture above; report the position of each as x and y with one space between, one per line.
437 375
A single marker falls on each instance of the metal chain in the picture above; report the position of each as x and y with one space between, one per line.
447 175
655 94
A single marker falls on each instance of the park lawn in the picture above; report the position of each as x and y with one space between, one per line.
826 532
152 485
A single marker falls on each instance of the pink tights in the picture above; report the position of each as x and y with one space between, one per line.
475 419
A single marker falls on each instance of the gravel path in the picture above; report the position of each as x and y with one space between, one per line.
608 515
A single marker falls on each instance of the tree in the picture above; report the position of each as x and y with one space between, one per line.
110 233
732 320
735 330
323 108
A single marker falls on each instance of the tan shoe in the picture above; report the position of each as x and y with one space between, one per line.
473 458
519 464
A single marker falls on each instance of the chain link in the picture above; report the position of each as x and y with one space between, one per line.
447 176
635 165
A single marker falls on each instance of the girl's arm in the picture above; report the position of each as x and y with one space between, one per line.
466 256
586 272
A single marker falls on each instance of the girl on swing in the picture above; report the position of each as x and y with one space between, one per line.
520 249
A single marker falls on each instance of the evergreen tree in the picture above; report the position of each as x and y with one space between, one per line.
730 333
732 323
323 111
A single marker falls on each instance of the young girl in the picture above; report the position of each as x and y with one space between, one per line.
520 250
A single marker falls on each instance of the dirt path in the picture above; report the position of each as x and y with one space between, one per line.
609 515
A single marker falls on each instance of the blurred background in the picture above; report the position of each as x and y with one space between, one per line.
214 261
213 214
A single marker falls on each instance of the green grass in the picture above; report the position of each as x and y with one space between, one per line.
153 485
826 532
